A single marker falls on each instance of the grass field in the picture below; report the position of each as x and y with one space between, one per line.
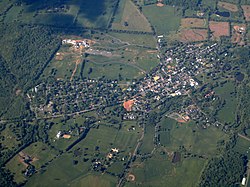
128 17
95 181
148 140
243 146
136 39
9 140
38 151
227 113
164 19
166 125
157 171
111 71
195 139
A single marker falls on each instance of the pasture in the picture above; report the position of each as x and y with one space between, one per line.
226 92
164 19
128 17
159 171
243 146
40 154
135 39
195 139
148 140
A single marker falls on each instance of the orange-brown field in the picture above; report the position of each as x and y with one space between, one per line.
246 10
238 34
228 6
193 23
193 35
219 29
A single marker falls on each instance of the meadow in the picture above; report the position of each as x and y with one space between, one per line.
226 92
129 18
164 19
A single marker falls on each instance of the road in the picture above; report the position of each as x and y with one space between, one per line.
244 137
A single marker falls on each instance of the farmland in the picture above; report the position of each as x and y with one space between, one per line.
246 10
219 29
227 92
192 35
228 6
130 18
164 19
193 23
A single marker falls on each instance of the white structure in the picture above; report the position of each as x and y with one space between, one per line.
243 182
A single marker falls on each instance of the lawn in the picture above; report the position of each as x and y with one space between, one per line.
227 113
164 19
166 125
128 17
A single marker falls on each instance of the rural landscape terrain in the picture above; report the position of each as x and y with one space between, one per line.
125 93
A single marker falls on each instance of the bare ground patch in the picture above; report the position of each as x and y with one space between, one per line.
193 35
219 29
246 10
228 6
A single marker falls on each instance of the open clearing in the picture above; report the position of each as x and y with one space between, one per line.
130 18
228 6
219 29
246 10
193 23
193 35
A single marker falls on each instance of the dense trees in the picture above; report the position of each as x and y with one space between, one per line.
26 52
226 170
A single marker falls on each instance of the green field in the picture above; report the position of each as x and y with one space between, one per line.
159 171
128 17
226 92
195 139
243 146
38 151
136 39
111 71
148 140
166 125
164 19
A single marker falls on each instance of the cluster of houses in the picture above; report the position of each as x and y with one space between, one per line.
174 76
77 43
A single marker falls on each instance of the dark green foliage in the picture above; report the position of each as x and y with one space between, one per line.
6 178
187 4
226 170
24 54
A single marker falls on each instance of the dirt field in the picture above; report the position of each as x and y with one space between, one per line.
238 34
193 35
246 10
219 29
193 23
228 6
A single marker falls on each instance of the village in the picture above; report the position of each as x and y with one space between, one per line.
174 76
